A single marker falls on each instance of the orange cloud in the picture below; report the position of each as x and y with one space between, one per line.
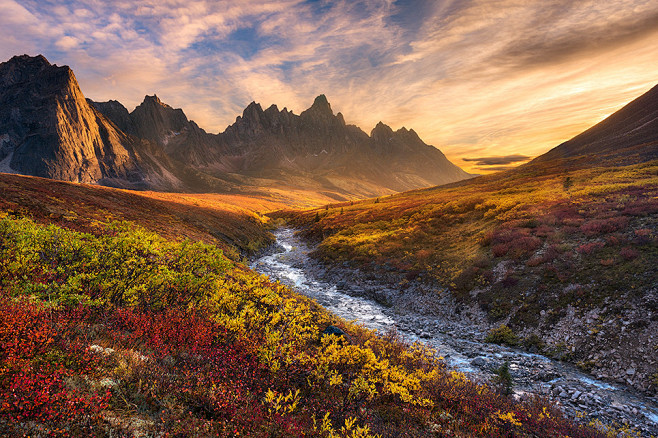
479 78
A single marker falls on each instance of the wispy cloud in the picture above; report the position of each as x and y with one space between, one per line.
475 78
497 161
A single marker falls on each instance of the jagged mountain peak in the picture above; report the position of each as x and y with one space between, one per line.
381 132
27 61
156 121
154 100
321 104
320 110
25 68
253 110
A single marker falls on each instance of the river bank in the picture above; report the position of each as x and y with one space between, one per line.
418 312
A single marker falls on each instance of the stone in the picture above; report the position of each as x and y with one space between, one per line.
333 331
479 362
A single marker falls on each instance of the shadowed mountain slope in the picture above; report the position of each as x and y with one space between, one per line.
315 149
630 134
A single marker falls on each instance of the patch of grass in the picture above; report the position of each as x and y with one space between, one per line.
553 224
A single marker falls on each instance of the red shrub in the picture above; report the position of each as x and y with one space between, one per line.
589 248
643 235
544 231
40 351
629 253
604 226
500 249
607 262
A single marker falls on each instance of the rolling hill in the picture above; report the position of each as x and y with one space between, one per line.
562 249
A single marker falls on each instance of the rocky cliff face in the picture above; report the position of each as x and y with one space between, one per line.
48 129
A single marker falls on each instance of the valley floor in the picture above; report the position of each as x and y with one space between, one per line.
416 315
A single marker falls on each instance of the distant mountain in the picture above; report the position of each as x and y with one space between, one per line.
315 149
48 129
320 145
169 128
628 135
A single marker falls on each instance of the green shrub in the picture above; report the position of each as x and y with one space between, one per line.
502 335
502 379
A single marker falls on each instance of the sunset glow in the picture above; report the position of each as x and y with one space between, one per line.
490 83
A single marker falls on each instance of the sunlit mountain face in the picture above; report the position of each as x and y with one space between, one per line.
491 84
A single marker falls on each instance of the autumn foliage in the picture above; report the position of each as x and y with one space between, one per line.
121 332
538 228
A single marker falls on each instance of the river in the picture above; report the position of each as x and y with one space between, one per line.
460 344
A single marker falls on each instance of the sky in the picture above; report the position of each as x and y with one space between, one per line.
492 83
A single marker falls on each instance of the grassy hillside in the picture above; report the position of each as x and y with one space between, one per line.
589 223
109 329
526 245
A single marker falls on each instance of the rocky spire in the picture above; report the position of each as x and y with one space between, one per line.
381 132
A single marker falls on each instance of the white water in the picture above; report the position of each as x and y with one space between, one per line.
615 403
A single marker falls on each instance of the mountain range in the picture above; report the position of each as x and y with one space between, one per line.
49 129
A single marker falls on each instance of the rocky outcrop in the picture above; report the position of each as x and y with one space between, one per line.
48 129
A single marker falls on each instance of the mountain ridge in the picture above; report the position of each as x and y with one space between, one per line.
157 147
634 126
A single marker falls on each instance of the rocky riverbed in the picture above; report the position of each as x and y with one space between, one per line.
421 313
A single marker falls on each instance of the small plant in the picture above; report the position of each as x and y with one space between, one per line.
502 379
534 342
502 335
567 183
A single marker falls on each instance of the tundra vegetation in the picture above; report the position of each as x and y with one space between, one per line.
118 331
543 236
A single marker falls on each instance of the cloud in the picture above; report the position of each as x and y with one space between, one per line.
67 43
497 161
573 32
477 78
495 168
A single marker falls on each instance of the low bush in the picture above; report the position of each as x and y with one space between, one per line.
502 335
123 333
